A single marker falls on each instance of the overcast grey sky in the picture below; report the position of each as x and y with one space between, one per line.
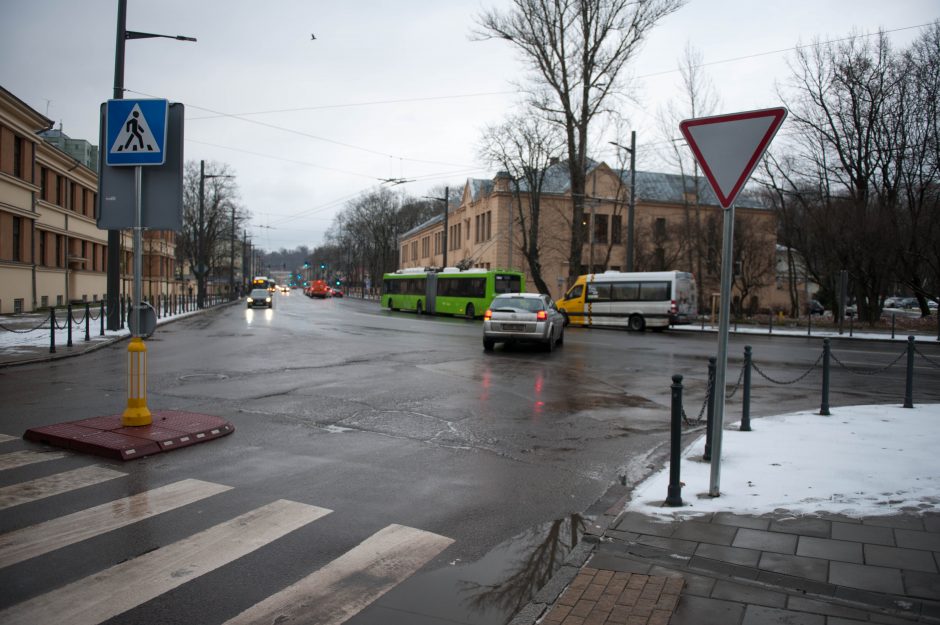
387 89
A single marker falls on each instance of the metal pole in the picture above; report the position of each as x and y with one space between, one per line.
674 491
231 260
52 330
909 384
68 322
746 403
824 406
444 235
710 408
200 293
714 488
138 252
113 278
632 206
843 288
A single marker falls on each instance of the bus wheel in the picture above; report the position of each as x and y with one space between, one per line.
636 323
418 308
470 311
391 305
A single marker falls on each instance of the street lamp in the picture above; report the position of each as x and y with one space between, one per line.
113 280
201 269
632 206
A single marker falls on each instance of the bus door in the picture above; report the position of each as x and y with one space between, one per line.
430 294
597 303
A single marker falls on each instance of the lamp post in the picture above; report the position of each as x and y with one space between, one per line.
202 268
632 206
113 279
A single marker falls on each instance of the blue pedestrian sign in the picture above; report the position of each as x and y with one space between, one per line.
136 132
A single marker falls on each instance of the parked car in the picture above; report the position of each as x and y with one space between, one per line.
259 298
814 307
336 292
523 318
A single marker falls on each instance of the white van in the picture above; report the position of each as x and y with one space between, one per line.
654 299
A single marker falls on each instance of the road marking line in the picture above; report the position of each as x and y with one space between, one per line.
347 585
16 459
36 540
124 586
6 438
57 484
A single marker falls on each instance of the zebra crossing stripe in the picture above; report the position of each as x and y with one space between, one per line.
36 540
16 459
6 437
57 484
104 595
347 585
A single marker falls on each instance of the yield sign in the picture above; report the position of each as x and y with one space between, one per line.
728 147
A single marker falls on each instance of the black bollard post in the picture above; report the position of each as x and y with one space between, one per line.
68 323
824 406
809 324
52 330
122 313
909 385
851 324
710 407
746 402
87 321
674 492
892 325
771 327
101 318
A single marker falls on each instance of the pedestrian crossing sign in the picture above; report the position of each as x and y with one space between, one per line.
136 132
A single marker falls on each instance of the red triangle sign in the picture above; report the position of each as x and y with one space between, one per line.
728 147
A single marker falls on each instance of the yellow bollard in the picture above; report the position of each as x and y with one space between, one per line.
137 412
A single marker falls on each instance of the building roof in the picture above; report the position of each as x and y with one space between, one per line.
672 188
430 222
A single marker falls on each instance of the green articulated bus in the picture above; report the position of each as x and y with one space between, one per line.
448 292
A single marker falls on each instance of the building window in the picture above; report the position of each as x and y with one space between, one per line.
425 247
18 156
616 229
44 301
18 306
43 175
478 233
58 300
58 250
489 228
17 224
42 248
600 228
659 228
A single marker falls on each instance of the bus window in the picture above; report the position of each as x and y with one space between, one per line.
574 292
625 291
654 291
598 292
507 284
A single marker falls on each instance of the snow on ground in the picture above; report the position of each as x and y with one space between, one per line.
860 461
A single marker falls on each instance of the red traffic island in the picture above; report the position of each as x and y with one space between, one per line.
109 437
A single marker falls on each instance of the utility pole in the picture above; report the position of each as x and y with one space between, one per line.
231 259
113 276
631 207
444 234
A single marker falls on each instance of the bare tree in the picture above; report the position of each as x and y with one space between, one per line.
204 241
524 146
577 50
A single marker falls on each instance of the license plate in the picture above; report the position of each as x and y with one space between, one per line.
513 327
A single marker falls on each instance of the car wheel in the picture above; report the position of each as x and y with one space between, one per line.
550 343
488 344
565 315
636 323
470 311
418 308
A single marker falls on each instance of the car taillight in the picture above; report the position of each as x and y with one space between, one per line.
672 307
487 315
541 315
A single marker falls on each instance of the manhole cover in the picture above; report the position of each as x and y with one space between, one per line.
204 376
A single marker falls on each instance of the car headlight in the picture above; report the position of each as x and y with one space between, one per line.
250 300
267 299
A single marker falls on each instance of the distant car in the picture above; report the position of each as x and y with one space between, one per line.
523 318
259 298
284 289
815 308
336 292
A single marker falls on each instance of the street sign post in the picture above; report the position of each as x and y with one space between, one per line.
728 148
135 135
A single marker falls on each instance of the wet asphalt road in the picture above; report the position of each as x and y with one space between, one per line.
389 418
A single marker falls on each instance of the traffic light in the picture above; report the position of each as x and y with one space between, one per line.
322 265
339 283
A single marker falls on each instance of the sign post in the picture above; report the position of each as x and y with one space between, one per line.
136 132
728 148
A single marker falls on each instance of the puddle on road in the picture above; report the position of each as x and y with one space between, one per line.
492 589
